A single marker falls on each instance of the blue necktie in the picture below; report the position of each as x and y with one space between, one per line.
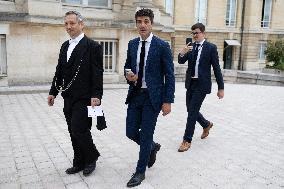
195 53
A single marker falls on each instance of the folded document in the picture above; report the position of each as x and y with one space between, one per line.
95 111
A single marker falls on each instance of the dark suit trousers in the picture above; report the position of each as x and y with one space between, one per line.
140 125
194 100
79 126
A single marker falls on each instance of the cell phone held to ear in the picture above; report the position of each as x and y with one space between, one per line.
188 41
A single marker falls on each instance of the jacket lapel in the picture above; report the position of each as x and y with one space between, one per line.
78 50
64 52
203 52
77 54
134 51
151 51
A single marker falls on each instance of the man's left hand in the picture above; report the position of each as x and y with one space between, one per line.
95 102
166 108
220 93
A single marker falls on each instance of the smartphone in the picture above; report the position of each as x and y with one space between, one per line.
128 71
188 40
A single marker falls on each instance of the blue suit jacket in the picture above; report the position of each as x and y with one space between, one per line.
209 57
159 71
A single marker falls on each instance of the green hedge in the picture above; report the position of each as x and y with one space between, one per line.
275 53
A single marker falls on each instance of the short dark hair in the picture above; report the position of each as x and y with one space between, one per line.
145 12
198 26
78 15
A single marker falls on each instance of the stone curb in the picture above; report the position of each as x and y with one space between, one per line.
45 89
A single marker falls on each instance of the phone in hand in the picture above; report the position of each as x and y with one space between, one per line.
128 71
188 41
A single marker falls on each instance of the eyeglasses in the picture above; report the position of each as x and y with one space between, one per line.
195 33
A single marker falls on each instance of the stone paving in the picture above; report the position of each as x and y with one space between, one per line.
245 148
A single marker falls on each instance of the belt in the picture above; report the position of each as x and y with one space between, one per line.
194 79
142 90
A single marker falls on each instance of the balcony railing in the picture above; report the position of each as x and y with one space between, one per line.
96 3
230 22
265 24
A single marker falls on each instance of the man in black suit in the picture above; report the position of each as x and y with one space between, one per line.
201 55
79 75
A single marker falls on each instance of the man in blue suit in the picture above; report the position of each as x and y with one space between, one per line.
201 55
149 71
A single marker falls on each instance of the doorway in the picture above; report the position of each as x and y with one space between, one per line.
228 56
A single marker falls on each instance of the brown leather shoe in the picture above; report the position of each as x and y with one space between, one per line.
184 146
206 131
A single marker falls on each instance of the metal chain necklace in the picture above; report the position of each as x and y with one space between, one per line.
61 89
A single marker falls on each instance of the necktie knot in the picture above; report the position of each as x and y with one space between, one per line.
197 46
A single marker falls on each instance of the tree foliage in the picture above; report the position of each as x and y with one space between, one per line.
275 52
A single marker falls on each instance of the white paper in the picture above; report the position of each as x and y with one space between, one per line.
95 111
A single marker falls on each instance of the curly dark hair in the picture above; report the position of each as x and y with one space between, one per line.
198 26
145 12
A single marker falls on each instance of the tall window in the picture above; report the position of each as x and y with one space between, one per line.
169 4
109 54
102 3
266 13
231 12
72 1
201 11
3 59
99 3
262 48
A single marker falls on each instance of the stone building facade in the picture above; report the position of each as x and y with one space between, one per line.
31 32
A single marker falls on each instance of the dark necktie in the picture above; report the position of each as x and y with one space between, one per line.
141 66
195 53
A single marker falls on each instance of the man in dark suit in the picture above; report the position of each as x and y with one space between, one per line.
79 75
150 74
201 55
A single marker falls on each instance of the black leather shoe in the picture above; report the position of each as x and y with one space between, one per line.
73 170
89 168
153 155
136 179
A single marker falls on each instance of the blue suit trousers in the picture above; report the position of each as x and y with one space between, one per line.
194 100
140 126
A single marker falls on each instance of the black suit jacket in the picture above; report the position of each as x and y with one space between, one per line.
208 57
88 83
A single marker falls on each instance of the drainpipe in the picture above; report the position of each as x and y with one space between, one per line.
241 64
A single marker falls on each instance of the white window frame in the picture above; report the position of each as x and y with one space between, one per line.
108 56
262 48
3 56
169 6
201 11
267 7
85 3
230 15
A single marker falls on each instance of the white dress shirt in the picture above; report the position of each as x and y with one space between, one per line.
198 57
72 44
147 47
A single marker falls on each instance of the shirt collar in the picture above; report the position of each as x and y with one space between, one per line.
149 39
77 39
201 43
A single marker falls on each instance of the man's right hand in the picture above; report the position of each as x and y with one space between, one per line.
186 48
130 76
50 100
